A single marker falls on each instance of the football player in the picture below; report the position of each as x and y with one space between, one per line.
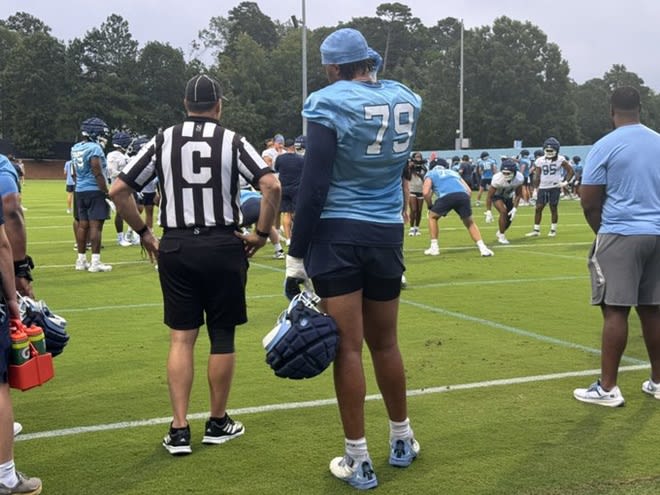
548 179
504 193
117 160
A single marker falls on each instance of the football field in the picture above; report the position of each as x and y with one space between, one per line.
493 348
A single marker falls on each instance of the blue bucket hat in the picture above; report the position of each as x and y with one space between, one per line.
343 47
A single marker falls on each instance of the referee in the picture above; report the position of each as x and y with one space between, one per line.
202 257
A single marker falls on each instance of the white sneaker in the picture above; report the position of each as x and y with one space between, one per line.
552 233
82 265
533 233
595 394
99 267
432 251
135 241
124 242
486 252
404 282
17 428
358 474
417 231
651 388
501 238
411 232
68 211
478 203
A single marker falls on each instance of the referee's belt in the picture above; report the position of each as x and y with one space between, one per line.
201 230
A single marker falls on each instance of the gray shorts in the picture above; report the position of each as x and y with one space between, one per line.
625 270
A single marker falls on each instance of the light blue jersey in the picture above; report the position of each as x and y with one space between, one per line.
69 176
625 162
246 194
524 165
487 167
375 126
8 177
445 182
81 156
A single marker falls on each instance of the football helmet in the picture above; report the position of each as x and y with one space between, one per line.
300 142
576 159
134 147
551 148
54 326
96 130
304 341
524 153
538 153
484 154
121 140
509 169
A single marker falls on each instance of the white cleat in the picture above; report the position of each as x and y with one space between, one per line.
432 251
99 267
486 252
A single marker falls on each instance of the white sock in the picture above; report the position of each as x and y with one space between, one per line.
400 429
537 227
553 226
278 247
8 474
356 449
120 236
96 259
82 257
434 243
480 244
500 234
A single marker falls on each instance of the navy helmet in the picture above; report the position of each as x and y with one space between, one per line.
304 341
551 148
509 168
95 129
121 140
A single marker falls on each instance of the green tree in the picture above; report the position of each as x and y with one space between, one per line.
30 108
25 24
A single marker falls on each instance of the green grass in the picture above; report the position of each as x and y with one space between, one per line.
518 320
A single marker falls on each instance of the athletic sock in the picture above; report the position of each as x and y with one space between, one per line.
357 449
8 474
400 429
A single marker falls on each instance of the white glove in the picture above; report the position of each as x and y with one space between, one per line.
512 213
295 267
489 216
296 275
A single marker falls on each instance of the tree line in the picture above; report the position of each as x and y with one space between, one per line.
516 83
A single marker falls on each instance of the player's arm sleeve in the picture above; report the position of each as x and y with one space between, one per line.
314 185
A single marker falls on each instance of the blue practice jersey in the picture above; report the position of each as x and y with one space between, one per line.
81 156
375 126
622 161
444 181
487 167
8 177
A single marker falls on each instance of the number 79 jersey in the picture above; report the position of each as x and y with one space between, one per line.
375 124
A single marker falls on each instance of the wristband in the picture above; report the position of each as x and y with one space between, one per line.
261 234
143 230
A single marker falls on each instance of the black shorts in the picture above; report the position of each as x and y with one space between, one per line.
202 274
91 205
485 183
148 198
549 196
288 203
458 201
5 348
70 188
338 269
508 202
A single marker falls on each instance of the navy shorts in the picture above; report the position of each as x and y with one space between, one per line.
288 201
91 205
250 210
338 269
148 198
485 183
458 201
548 196
203 271
70 188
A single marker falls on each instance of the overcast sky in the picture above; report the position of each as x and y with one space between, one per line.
592 34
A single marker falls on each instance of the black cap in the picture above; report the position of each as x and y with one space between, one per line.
288 143
203 89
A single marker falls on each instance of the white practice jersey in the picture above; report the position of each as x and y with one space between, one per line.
503 187
116 163
550 171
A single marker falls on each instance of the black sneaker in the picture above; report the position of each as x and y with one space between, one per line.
177 441
215 434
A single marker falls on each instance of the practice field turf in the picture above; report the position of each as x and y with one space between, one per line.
493 348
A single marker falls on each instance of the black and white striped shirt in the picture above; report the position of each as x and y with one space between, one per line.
198 164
